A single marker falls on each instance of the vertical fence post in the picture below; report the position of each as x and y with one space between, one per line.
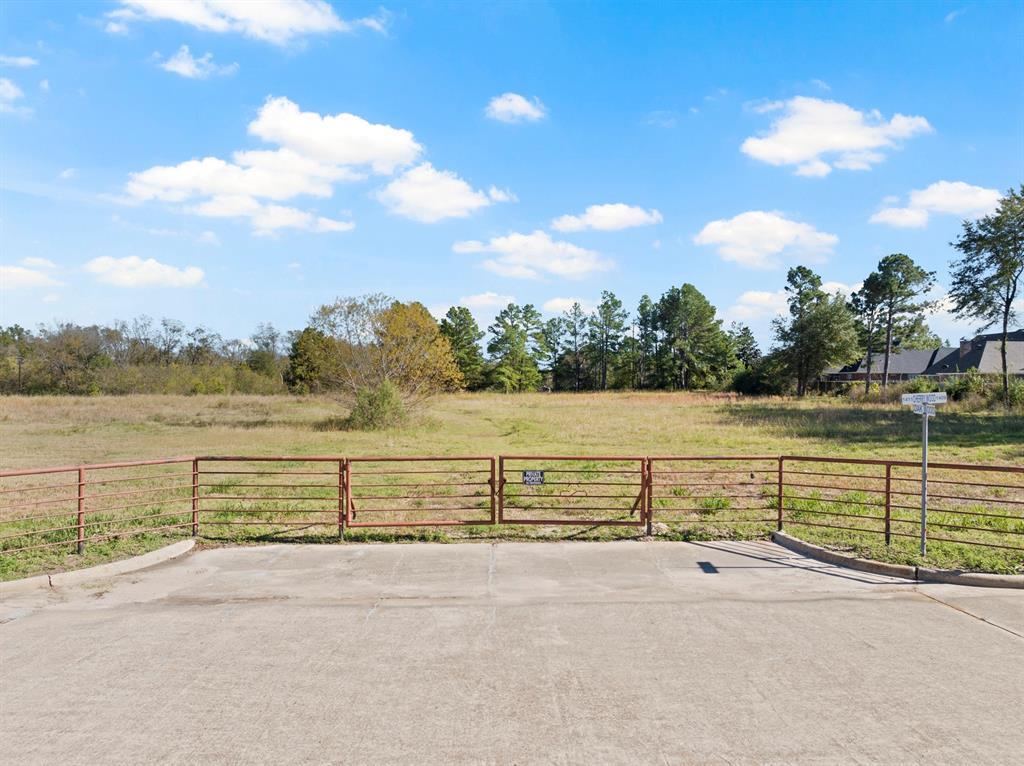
501 490
888 503
348 491
494 489
341 498
195 497
647 472
80 535
780 496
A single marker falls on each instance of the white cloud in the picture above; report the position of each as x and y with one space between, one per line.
275 21
480 305
38 263
487 300
44 85
607 218
185 64
763 105
66 174
340 139
954 15
277 175
208 238
755 304
755 238
817 135
19 277
136 272
18 61
560 305
664 118
901 217
267 219
314 153
51 298
429 195
949 197
9 94
955 198
501 195
528 256
511 107
841 287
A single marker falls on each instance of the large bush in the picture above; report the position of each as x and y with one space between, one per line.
375 409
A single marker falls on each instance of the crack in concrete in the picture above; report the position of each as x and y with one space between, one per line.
970 614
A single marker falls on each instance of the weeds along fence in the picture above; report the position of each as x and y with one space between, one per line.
47 514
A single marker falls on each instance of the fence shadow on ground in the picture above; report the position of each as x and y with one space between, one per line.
871 426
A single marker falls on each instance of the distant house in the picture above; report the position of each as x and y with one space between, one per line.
980 353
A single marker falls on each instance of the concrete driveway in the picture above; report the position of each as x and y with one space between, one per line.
577 653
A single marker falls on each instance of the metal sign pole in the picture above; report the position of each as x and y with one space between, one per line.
924 482
924 405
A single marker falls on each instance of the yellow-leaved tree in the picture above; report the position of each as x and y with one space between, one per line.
384 356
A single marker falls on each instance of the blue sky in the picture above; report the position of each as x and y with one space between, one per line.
231 164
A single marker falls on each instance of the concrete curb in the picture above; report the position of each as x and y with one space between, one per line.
958 577
843 560
921 574
78 576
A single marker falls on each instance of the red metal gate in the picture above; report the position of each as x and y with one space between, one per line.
714 492
419 491
592 490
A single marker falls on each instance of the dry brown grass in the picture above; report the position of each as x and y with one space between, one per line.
38 431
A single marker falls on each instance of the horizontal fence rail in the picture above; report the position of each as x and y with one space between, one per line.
850 501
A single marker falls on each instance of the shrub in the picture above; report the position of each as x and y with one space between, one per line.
921 385
971 383
1016 392
376 409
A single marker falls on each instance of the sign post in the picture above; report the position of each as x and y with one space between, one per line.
924 405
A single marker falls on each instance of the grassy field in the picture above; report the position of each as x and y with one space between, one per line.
40 431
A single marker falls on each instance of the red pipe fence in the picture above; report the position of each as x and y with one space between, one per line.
221 496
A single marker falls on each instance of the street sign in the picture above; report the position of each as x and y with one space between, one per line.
533 478
936 397
924 409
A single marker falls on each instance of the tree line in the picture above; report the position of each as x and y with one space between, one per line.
375 346
140 356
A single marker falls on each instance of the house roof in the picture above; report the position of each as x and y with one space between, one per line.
996 336
983 355
906 362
